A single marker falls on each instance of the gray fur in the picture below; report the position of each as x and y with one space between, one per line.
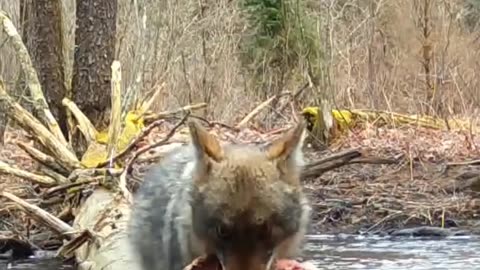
160 222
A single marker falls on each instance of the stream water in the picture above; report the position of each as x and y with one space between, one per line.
362 252
345 252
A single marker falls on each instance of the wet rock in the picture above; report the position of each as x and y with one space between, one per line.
428 231
6 255
423 231
11 248
461 233
451 223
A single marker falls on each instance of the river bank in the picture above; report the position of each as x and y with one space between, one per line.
435 182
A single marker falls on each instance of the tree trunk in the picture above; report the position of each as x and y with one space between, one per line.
94 53
43 36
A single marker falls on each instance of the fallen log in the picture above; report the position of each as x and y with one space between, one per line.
351 156
41 215
106 215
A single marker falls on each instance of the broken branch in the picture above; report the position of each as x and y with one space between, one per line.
42 158
84 124
41 215
185 109
42 180
46 138
116 111
255 111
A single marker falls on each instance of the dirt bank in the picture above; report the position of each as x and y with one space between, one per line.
434 183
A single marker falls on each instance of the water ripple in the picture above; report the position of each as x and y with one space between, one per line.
343 252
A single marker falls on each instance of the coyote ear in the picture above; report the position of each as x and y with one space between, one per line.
286 147
204 142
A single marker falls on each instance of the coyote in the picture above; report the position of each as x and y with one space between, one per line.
241 203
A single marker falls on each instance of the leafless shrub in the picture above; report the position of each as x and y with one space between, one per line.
373 54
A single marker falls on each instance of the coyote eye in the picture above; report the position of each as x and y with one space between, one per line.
221 231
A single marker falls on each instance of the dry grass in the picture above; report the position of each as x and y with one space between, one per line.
191 53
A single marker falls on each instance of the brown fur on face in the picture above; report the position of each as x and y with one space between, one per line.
247 177
247 201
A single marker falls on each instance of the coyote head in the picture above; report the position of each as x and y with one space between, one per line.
247 201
